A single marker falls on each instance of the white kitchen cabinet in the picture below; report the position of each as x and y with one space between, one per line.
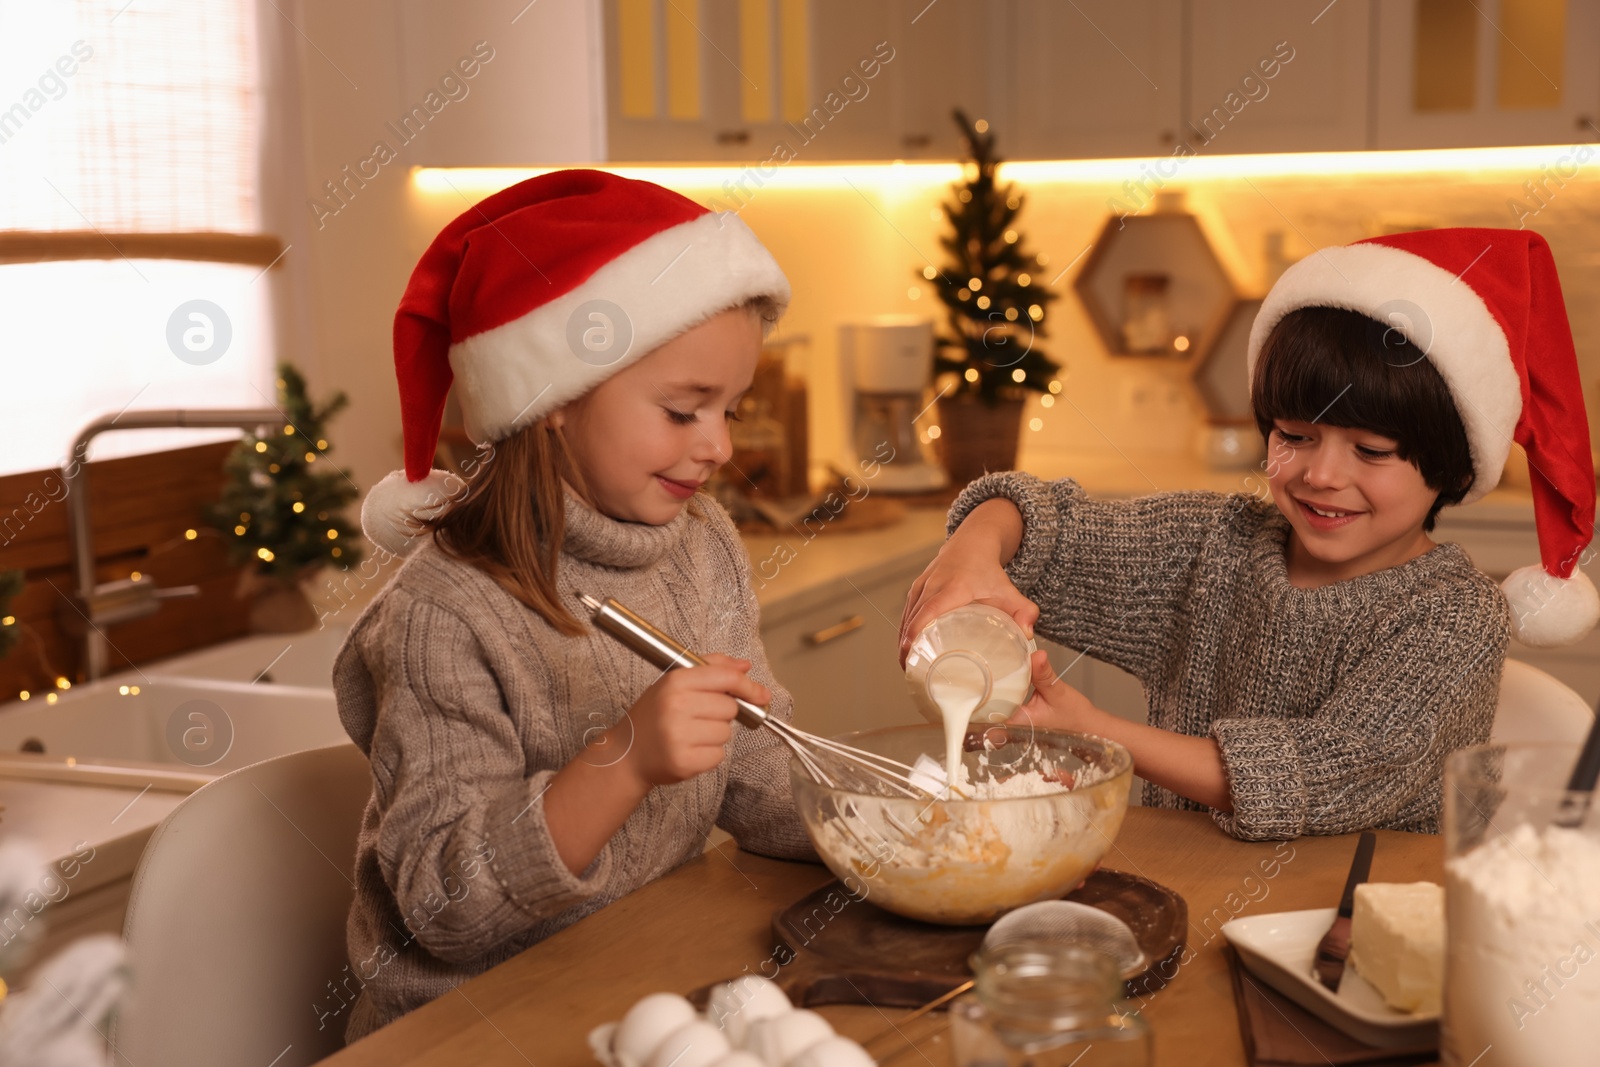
840 658
1092 78
680 83
753 80
1492 72
946 56
1277 75
733 80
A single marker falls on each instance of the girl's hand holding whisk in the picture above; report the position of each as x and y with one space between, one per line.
683 721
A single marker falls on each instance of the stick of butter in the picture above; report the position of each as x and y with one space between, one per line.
1397 942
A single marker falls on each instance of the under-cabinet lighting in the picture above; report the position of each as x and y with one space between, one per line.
476 182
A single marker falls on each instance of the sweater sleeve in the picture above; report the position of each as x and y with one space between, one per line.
757 806
461 836
1110 576
1372 754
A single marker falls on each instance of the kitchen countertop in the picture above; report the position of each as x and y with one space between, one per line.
796 571
711 920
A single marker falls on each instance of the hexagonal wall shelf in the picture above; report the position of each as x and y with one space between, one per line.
1220 375
1154 287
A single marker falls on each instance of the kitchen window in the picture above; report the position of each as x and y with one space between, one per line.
133 266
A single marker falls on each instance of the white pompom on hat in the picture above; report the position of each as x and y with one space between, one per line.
1485 306
537 294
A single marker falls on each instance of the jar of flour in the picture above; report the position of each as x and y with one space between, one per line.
1522 911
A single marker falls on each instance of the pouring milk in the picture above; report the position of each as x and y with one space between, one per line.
971 663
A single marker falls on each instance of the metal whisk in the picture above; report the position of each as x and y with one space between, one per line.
812 751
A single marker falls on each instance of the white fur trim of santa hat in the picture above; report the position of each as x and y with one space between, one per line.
670 282
390 503
1549 612
1437 312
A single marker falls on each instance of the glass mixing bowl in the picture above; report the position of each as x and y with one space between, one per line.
961 862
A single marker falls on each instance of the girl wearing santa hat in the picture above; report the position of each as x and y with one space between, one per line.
526 769
1310 662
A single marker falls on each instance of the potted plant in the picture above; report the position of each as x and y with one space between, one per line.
988 359
282 514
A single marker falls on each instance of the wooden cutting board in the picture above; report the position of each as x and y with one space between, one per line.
832 947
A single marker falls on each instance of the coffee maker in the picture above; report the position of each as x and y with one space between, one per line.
885 365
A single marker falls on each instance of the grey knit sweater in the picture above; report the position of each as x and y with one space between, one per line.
467 702
1334 707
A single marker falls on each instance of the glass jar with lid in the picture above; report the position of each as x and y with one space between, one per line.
1045 1004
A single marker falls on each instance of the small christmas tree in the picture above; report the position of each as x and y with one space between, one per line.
996 305
279 508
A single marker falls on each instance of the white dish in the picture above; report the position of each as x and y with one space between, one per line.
1279 949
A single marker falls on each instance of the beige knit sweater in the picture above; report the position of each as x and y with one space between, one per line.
467 702
1334 707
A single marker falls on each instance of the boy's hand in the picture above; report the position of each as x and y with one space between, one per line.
683 721
1055 705
969 568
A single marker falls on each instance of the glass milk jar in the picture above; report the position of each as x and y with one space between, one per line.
1522 910
1044 1004
977 652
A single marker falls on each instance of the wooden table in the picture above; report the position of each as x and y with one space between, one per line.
711 919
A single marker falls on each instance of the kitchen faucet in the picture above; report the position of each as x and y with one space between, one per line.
109 603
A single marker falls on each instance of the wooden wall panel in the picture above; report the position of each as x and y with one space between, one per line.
140 507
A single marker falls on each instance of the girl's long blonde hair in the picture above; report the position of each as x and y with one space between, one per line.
512 519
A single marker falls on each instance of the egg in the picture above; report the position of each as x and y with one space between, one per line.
740 1059
646 1025
696 1044
833 1052
781 1038
735 1005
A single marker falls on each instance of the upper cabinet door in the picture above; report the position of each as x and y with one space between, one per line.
674 75
750 80
844 107
943 61
1090 78
1278 75
1455 74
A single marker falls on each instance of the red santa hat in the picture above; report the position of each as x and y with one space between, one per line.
1485 307
536 295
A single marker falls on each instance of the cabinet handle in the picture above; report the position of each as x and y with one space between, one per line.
836 631
733 136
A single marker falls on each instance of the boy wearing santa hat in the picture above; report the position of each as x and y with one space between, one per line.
1310 662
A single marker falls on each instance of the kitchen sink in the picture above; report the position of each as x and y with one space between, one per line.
301 659
175 733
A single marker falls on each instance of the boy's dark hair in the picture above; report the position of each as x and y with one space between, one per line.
1342 368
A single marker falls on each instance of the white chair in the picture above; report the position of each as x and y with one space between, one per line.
236 923
1535 706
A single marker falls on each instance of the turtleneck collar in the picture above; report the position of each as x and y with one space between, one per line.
598 538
